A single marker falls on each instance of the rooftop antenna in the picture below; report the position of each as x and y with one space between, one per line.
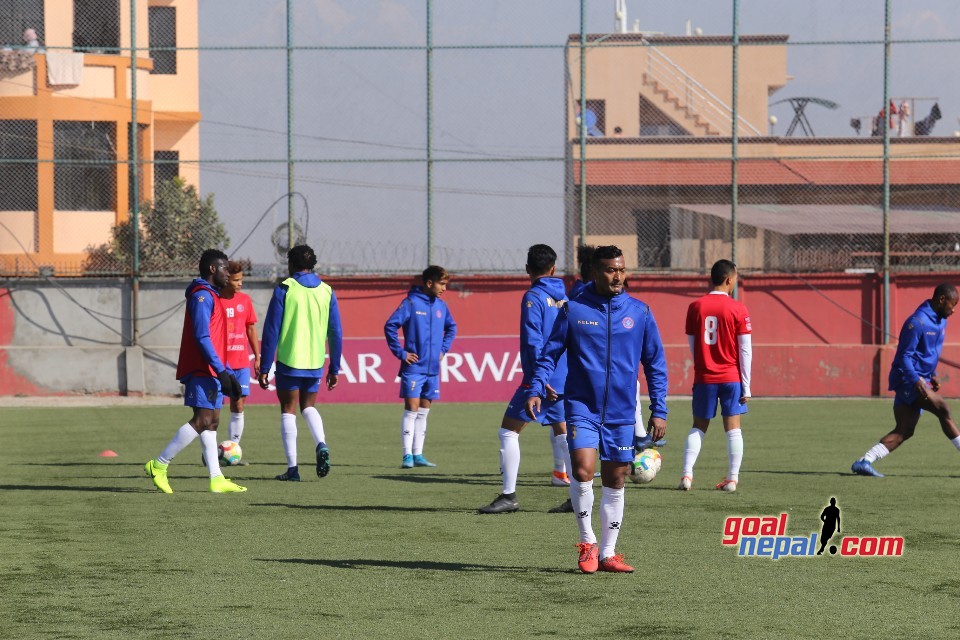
621 17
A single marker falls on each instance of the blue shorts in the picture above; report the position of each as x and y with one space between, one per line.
615 444
907 394
420 385
202 392
705 397
284 382
550 412
243 377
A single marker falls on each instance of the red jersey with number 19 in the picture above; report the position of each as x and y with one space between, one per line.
715 320
239 314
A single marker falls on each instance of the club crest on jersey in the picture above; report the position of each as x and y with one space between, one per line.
627 322
240 307
439 314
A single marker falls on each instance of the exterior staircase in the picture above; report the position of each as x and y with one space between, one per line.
686 101
676 109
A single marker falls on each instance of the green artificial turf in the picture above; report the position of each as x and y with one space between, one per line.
89 549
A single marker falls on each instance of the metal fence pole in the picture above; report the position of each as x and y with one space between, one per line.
886 172
134 186
429 52
291 235
583 122
734 134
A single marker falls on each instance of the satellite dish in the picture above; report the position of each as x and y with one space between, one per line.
281 236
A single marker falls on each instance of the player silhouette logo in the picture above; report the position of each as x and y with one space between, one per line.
831 523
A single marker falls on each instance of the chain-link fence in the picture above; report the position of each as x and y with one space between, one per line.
813 138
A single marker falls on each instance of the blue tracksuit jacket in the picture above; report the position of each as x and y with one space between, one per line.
921 341
577 287
606 341
538 313
428 331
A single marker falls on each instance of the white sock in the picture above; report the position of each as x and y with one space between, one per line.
560 452
315 422
184 436
208 439
581 496
694 440
639 430
611 519
876 452
956 442
734 453
288 433
509 459
236 426
407 425
420 431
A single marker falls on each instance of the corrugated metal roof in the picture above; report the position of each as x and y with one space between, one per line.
833 219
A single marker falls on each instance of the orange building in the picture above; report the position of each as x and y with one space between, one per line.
658 168
66 111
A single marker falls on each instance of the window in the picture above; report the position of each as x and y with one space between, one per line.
163 34
96 26
18 180
17 16
597 123
85 171
166 166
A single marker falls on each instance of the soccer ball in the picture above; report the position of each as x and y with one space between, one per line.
229 452
645 466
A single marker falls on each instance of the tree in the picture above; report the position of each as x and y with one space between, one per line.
174 230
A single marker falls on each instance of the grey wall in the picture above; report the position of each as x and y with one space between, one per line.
75 336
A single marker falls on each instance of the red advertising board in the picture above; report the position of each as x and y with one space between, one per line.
477 369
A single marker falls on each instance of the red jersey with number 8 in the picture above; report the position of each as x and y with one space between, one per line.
715 320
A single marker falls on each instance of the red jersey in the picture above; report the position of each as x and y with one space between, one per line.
195 358
715 320
238 314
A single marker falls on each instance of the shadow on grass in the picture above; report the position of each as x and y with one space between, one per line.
100 463
112 463
802 473
479 478
419 565
371 507
850 474
60 487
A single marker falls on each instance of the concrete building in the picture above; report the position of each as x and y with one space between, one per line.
658 168
65 120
